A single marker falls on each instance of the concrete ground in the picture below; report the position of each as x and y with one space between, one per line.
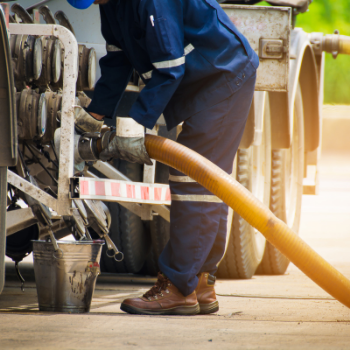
265 312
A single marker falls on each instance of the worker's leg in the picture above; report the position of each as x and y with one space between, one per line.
198 218
218 249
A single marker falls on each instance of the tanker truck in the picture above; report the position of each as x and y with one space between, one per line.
52 183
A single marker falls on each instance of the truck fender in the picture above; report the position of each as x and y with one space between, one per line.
254 127
303 70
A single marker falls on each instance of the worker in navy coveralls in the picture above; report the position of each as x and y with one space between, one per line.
200 70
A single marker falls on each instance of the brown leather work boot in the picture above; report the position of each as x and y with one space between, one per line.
206 293
162 299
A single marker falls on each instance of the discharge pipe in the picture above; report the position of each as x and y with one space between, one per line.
331 43
253 211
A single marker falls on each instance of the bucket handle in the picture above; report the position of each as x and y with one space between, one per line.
55 245
58 250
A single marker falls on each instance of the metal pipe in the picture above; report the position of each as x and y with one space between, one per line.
344 45
336 44
253 211
331 43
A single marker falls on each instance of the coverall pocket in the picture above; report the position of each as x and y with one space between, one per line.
160 26
226 22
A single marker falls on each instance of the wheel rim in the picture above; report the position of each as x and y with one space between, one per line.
260 186
294 171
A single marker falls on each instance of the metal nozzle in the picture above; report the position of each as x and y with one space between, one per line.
331 43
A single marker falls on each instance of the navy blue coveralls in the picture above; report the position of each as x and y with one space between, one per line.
200 70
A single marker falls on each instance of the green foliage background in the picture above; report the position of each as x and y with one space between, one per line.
326 16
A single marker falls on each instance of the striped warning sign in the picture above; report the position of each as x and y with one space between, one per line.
123 191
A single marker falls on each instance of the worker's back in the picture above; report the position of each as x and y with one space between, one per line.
193 42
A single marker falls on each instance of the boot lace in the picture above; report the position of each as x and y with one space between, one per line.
161 285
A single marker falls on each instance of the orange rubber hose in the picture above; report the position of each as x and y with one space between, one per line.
253 211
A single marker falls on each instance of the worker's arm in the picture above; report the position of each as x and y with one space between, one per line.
164 28
116 71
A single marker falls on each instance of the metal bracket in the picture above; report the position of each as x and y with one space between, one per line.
149 175
30 189
272 48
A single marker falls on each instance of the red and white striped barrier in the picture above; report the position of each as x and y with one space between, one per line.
123 191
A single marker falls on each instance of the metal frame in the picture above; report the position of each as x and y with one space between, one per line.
63 204
30 189
17 220
113 173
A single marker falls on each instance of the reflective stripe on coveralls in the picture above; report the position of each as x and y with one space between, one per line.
221 58
170 64
112 48
191 197
254 212
180 178
195 198
198 219
210 90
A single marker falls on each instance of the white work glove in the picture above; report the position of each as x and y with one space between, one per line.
128 144
85 122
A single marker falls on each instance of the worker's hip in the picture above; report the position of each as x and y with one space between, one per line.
206 94
215 133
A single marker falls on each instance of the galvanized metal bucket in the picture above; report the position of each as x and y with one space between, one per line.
66 279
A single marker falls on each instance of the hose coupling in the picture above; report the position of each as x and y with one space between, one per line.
331 43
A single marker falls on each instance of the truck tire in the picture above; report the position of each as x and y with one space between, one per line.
151 265
245 245
286 190
127 230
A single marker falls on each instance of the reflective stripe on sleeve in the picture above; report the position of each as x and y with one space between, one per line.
147 75
112 48
175 178
170 64
188 49
195 198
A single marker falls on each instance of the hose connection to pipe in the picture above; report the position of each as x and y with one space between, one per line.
331 43
253 211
